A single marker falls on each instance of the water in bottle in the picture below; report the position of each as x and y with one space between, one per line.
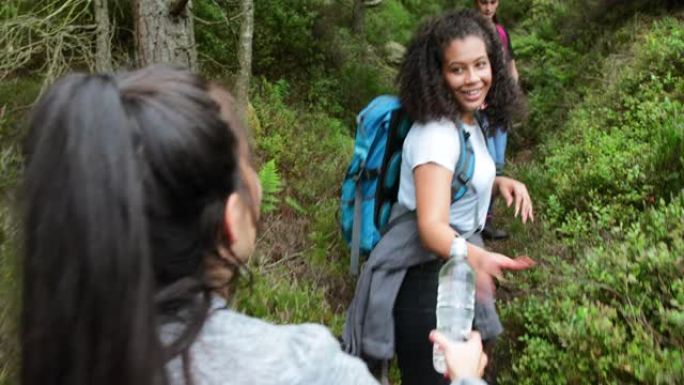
455 305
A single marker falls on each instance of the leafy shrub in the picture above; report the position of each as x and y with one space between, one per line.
606 307
379 30
615 316
284 39
620 149
216 35
355 84
301 272
431 7
548 72
307 146
559 48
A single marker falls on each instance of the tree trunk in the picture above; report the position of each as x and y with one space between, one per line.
357 17
164 33
103 50
245 57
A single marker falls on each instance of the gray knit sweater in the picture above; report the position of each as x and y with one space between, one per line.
233 348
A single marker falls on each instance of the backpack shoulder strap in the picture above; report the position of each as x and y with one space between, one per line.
465 168
465 165
483 122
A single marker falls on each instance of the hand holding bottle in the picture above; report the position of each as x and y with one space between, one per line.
463 359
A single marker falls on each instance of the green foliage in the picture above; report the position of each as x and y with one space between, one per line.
605 306
9 284
620 150
14 96
277 297
216 32
559 48
379 31
433 7
307 146
8 10
301 271
614 316
284 38
355 84
548 70
271 185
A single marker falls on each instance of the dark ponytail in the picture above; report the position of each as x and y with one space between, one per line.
85 219
124 183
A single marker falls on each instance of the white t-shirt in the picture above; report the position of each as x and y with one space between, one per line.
438 142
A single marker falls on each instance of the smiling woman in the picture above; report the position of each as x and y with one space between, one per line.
468 74
453 67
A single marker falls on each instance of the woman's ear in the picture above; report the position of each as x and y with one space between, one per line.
231 217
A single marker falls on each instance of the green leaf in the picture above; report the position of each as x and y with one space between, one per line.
271 185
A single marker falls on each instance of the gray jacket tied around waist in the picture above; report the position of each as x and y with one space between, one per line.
369 328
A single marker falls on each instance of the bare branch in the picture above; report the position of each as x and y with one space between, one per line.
60 38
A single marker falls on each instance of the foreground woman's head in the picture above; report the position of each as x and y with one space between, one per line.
134 184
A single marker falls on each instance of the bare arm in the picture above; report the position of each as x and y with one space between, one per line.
433 200
433 190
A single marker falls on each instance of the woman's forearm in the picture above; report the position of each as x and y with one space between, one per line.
438 237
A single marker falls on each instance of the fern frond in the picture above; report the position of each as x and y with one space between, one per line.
271 185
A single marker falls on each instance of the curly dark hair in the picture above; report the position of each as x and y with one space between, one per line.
423 91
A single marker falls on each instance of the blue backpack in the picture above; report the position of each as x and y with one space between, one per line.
371 184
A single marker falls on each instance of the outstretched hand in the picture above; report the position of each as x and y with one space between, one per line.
491 265
513 191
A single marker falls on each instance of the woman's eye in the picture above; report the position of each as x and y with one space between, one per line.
457 70
481 64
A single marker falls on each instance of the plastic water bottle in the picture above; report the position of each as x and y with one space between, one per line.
455 305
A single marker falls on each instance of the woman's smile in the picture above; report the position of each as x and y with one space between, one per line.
472 95
467 72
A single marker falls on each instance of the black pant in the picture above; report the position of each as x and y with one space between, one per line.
414 318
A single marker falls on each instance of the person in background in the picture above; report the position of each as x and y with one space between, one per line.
140 213
453 65
498 138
